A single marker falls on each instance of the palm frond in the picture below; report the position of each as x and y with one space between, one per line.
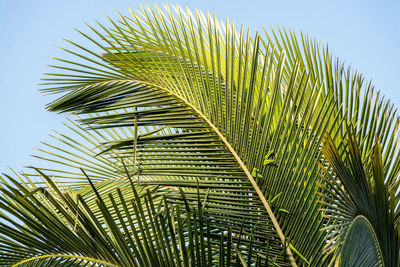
361 246
46 226
356 188
186 101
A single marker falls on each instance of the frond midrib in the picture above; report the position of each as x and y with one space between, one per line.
66 256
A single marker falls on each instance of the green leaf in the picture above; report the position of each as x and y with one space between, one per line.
171 99
361 246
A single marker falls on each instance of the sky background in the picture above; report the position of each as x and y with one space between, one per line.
363 34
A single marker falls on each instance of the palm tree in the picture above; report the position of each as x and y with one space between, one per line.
200 145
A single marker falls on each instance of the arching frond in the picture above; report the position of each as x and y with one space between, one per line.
47 227
355 188
202 113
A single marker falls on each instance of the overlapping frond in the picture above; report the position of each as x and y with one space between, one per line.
177 100
355 187
221 99
56 227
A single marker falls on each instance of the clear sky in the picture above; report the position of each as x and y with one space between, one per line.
364 34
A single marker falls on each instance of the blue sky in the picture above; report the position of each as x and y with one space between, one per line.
364 34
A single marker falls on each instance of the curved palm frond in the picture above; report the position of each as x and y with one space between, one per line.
47 227
209 117
192 126
243 116
54 260
355 187
361 246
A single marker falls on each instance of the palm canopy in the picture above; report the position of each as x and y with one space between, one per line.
202 113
